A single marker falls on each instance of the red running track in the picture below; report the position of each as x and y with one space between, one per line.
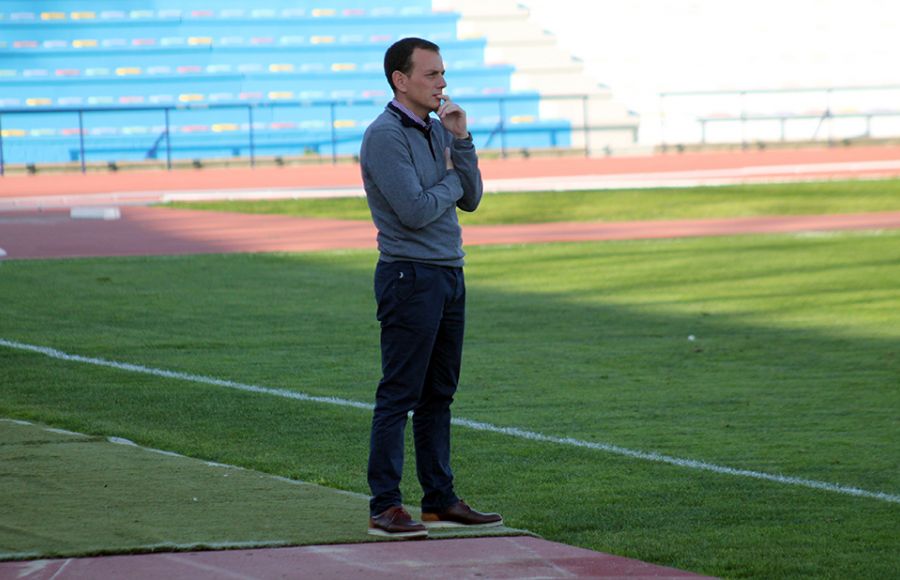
507 557
832 162
161 231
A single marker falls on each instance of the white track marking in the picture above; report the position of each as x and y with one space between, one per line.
558 571
61 568
218 571
53 353
680 462
475 425
148 548
64 432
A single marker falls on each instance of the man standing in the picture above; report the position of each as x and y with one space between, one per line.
416 171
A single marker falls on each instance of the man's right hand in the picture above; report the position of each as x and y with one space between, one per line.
447 160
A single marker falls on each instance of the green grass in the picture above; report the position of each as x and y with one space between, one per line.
621 205
794 370
77 495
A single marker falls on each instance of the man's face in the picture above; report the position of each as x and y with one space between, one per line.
420 90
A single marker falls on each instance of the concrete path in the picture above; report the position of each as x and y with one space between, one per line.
516 557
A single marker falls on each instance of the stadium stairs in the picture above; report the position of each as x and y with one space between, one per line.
540 64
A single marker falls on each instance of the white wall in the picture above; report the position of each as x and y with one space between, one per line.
642 47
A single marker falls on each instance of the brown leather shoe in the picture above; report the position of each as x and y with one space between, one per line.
395 522
458 515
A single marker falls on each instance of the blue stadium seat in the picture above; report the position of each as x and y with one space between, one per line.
52 10
56 34
138 60
215 64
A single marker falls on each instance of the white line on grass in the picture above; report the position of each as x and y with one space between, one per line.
475 425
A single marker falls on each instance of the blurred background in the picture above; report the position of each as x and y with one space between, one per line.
816 66
108 83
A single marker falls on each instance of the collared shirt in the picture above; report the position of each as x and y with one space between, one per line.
417 119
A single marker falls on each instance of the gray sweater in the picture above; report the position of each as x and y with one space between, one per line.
412 196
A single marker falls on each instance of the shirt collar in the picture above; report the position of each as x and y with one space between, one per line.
413 117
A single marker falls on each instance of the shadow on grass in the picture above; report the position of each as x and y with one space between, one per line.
583 340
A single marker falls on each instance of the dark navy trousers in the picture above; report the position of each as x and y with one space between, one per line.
421 309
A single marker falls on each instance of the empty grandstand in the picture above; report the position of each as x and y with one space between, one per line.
110 81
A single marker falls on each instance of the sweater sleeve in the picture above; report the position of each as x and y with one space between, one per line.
389 165
465 160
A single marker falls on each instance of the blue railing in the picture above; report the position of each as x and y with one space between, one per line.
245 137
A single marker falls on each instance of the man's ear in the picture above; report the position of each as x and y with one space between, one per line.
399 80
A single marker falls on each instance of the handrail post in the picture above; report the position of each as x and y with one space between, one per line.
168 141
742 95
501 103
587 131
2 165
662 121
250 131
332 106
81 139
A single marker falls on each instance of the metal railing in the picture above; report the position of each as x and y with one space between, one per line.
819 106
784 119
163 144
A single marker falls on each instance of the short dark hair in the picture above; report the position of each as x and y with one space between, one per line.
399 56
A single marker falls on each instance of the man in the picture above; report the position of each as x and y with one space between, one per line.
416 171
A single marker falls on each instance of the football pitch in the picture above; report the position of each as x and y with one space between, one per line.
725 405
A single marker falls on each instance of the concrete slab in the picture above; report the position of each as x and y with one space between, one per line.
506 557
95 213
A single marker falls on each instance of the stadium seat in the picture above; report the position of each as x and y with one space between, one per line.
147 79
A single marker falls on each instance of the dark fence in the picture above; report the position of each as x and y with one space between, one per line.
516 124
